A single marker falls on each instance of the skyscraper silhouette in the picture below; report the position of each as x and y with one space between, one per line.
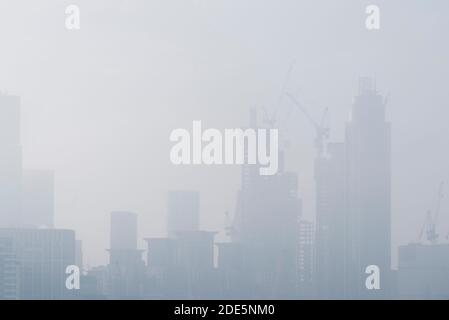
330 222
367 193
266 227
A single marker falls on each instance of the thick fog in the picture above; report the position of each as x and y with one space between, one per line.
99 104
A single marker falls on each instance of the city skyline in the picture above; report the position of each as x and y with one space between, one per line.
87 116
270 245
88 132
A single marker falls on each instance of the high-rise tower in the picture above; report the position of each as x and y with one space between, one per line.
330 222
367 193
265 227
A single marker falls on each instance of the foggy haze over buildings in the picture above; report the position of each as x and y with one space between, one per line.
98 105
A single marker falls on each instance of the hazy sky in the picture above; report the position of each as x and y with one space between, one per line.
99 103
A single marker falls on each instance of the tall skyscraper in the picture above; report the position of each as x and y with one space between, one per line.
266 226
183 212
330 222
367 193
37 199
10 161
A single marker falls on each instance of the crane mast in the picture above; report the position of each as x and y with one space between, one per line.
322 131
430 225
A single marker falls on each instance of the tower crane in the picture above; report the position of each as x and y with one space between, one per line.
322 130
270 120
430 224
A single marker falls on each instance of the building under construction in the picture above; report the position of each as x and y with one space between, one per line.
353 215
266 227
